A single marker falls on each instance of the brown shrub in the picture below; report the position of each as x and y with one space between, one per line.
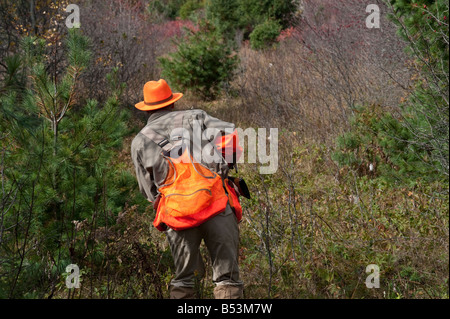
321 70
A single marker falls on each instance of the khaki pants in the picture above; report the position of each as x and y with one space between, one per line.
221 236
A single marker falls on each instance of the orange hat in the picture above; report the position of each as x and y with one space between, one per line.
157 94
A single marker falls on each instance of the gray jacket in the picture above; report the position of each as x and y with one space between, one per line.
151 167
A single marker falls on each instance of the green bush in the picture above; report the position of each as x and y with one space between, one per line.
254 12
265 34
377 144
188 8
424 26
202 64
230 15
168 8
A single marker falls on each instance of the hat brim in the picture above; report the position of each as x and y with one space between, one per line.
143 107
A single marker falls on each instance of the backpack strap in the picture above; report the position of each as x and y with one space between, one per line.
161 140
178 120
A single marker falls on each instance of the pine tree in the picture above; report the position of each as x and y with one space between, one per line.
57 169
377 145
224 15
202 64
424 25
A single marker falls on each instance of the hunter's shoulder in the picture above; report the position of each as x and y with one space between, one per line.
193 112
137 142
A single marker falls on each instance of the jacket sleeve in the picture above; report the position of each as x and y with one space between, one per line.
144 170
227 142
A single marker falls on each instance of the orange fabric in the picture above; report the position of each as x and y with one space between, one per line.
229 143
234 201
188 198
189 221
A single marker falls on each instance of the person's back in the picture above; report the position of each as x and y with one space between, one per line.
180 164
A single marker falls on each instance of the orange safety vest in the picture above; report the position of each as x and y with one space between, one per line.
191 193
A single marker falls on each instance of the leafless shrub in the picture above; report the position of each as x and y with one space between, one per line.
322 69
123 37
